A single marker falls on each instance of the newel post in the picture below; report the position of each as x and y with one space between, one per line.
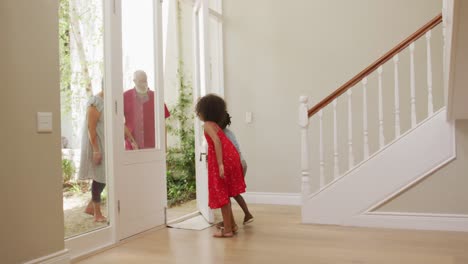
304 124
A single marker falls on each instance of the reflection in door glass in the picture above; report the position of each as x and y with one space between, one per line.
139 80
82 115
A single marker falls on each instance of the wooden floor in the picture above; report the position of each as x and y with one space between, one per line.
276 236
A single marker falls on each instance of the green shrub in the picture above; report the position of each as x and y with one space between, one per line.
68 170
181 185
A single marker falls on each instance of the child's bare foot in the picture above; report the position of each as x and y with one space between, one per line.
222 234
248 219
234 228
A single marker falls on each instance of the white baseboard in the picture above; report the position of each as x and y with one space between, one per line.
60 257
272 198
417 221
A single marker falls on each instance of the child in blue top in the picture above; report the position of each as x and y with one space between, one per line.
248 218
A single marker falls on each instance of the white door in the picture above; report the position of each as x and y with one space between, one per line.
140 177
208 78
201 87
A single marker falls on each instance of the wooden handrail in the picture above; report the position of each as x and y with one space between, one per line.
356 79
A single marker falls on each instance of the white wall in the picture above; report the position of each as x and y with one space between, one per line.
276 51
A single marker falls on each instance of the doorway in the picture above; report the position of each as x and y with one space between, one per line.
128 34
199 27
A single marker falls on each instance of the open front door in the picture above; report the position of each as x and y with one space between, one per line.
201 87
208 78
139 117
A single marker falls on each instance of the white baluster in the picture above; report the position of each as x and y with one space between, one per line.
413 86
381 122
443 47
336 169
396 60
322 162
304 124
430 105
364 118
444 30
350 131
444 61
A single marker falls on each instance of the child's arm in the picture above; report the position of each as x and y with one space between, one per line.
211 131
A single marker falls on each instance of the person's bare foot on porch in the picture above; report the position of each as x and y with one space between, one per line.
90 208
98 217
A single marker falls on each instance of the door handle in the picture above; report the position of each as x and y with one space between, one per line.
201 154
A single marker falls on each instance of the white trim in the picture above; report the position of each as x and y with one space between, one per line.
415 221
348 199
59 257
96 239
90 242
112 81
413 214
272 198
358 166
201 86
413 183
451 22
220 51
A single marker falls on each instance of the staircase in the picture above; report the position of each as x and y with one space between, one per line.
338 190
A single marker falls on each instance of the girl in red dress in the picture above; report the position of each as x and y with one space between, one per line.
225 176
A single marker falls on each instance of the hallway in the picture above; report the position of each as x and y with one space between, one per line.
276 236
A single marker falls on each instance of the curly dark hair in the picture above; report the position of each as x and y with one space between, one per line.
225 122
211 107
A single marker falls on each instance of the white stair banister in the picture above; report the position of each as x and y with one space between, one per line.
363 77
350 131
412 86
322 162
304 124
364 118
336 168
430 105
396 60
381 121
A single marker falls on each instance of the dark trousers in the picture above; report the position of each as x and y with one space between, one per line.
96 190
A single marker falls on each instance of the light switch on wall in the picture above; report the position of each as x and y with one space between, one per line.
44 122
248 117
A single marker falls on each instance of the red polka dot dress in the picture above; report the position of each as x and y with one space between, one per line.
233 184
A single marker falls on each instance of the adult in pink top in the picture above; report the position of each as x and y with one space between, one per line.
139 114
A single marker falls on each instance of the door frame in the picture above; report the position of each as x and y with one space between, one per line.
89 242
108 236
